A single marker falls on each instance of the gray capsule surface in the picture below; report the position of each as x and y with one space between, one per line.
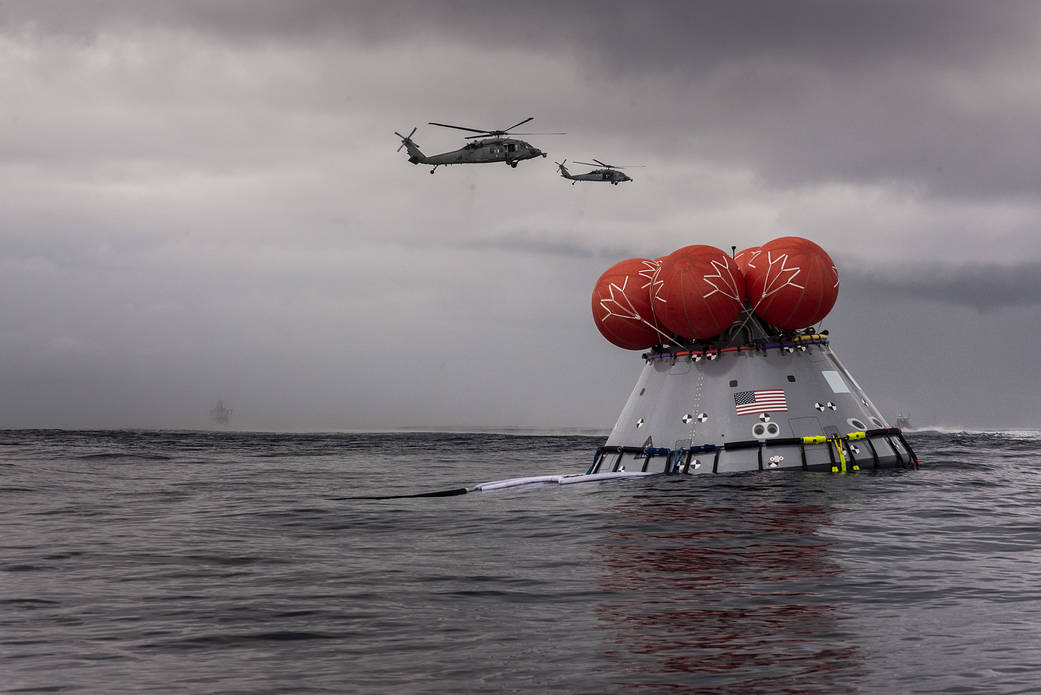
788 404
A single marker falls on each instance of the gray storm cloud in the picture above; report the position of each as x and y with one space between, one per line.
935 95
984 286
203 200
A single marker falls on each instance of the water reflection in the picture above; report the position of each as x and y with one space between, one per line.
721 589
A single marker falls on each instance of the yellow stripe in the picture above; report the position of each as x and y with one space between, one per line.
814 440
855 435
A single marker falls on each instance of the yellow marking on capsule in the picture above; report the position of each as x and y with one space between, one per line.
842 456
814 439
856 435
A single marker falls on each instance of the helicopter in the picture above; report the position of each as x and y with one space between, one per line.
495 148
609 173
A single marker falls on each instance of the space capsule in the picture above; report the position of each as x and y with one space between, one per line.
737 375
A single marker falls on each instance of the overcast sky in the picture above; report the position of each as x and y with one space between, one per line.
202 200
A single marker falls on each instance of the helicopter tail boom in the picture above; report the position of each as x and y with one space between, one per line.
563 169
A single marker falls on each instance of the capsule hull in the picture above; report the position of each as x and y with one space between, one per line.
789 405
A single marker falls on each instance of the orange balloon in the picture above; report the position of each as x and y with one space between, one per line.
622 304
746 257
697 292
793 283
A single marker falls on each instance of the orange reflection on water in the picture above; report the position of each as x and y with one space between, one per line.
724 598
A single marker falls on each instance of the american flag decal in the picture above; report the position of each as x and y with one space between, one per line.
761 401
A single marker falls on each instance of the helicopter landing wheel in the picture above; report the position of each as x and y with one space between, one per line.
513 165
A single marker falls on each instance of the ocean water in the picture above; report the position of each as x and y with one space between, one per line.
220 562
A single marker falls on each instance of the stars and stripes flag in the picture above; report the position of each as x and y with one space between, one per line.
760 401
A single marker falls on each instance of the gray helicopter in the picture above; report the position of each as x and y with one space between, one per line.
494 148
608 173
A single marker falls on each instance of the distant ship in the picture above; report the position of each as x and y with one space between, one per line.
903 422
220 414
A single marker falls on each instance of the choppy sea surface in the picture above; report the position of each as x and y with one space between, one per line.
221 562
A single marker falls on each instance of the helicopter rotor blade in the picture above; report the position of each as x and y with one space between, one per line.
459 127
491 133
612 166
498 133
529 118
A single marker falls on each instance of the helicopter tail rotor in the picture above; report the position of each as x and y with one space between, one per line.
405 139
415 155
